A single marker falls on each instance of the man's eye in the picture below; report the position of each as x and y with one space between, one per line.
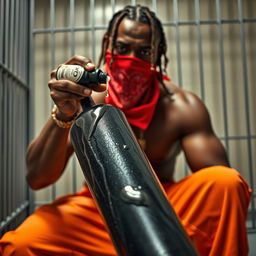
146 52
121 49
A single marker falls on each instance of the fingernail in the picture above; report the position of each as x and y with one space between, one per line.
100 88
90 65
86 92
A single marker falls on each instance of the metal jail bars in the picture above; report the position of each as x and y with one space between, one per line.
14 92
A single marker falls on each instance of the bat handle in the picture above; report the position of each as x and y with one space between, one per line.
87 103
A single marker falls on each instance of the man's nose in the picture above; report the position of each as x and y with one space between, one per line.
132 53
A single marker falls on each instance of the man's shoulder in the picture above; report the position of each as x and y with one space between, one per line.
182 98
186 108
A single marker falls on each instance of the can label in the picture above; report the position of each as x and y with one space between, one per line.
70 72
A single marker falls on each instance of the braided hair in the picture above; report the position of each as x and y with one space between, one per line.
145 16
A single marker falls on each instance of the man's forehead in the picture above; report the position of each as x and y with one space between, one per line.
134 29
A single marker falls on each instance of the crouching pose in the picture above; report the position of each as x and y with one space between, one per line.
211 203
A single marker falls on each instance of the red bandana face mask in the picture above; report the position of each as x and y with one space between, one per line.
133 88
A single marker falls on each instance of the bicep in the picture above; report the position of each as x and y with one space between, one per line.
201 146
204 149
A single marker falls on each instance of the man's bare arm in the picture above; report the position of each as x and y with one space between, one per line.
47 155
201 146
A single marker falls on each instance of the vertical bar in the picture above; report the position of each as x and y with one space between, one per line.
200 49
1 112
52 26
26 193
31 67
11 33
2 31
22 120
14 125
92 9
133 2
6 39
113 5
16 37
178 50
247 106
176 20
9 139
19 132
20 67
154 6
18 97
72 43
9 117
29 98
4 137
19 32
21 38
222 71
10 148
72 25
20 135
24 41
23 187
17 179
1 147
52 46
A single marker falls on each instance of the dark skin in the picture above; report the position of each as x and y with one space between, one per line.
181 121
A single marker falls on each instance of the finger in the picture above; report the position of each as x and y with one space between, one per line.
60 97
53 73
89 66
99 88
69 87
82 61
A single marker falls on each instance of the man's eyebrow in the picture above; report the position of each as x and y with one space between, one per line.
146 46
127 44
122 42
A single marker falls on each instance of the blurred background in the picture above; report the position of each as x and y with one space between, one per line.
211 51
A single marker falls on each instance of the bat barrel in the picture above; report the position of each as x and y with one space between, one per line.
130 198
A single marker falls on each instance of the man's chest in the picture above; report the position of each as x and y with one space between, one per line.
159 140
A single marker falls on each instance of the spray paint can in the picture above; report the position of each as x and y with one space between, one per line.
80 75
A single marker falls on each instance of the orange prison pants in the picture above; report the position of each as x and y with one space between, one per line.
211 204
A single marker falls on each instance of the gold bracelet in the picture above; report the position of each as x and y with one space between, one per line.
61 123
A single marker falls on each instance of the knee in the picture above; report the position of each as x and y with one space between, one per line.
13 244
223 178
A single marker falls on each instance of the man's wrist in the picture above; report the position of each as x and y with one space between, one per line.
62 123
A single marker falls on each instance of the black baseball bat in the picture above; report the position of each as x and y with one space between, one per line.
127 192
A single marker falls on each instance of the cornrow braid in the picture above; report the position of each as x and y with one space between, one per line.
114 32
153 36
145 16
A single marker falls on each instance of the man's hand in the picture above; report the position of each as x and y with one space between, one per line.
67 94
